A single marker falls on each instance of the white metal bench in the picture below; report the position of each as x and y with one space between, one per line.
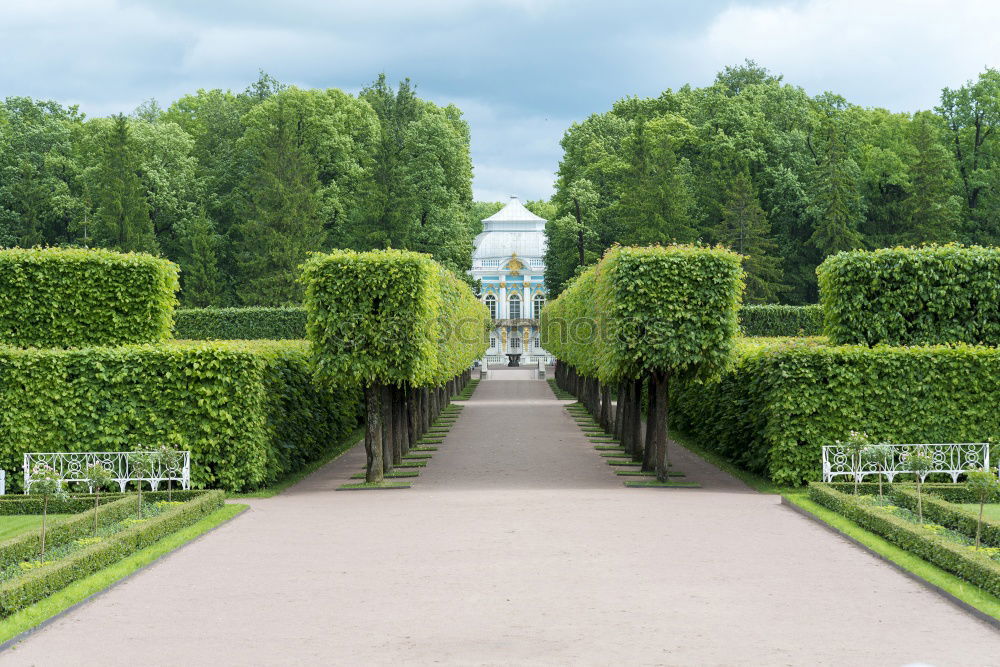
3 482
951 459
72 466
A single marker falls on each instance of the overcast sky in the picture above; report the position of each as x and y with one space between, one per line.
522 70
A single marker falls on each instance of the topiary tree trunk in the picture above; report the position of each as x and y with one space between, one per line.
387 430
619 411
634 434
660 407
649 446
606 407
411 416
373 434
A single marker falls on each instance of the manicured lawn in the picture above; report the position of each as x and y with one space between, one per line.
991 511
11 526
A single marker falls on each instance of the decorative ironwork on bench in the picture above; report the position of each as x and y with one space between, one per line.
949 458
72 467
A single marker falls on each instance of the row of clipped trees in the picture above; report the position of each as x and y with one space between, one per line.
402 327
643 315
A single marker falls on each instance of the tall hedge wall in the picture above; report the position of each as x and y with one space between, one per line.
912 296
248 411
390 317
783 399
56 297
254 323
777 320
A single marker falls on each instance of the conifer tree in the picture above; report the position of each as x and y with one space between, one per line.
281 222
121 219
933 206
837 207
201 280
745 229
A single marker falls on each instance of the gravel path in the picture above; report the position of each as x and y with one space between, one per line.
516 545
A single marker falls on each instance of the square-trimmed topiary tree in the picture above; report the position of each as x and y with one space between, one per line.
75 297
652 312
912 296
390 321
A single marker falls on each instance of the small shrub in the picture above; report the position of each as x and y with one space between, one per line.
45 482
97 477
919 460
984 484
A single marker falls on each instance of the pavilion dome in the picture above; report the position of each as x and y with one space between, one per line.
511 230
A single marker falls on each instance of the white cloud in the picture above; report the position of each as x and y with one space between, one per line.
892 53
497 183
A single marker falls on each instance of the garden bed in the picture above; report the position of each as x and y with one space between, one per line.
74 550
945 536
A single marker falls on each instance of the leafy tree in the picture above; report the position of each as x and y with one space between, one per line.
39 171
971 113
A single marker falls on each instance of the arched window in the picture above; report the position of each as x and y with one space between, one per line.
514 306
491 303
537 305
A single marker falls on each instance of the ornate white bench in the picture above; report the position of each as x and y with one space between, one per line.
3 482
951 459
72 467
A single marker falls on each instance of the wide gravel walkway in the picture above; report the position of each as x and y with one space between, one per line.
516 545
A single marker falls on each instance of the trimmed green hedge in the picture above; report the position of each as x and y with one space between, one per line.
777 320
781 400
248 410
975 567
390 317
945 513
912 296
38 584
17 504
288 323
56 297
64 530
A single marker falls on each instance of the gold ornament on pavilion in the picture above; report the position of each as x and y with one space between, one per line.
515 265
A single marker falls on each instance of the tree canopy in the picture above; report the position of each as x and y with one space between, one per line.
239 187
782 177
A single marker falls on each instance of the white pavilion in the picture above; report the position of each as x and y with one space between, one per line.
509 262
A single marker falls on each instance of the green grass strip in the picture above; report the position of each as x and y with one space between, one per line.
78 591
412 464
653 484
961 589
392 475
295 477
609 448
375 486
417 456
423 448
626 464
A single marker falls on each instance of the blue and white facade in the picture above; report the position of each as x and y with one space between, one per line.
509 262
